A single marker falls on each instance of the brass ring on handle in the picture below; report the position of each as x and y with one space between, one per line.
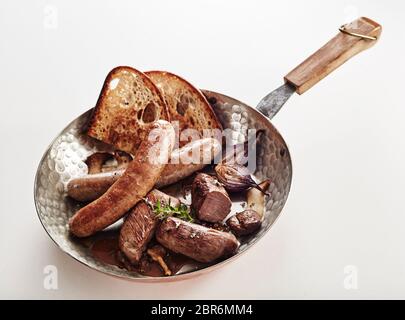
358 35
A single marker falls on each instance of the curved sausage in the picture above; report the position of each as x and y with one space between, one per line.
182 165
138 179
195 241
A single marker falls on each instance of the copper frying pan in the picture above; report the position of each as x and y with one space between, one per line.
65 157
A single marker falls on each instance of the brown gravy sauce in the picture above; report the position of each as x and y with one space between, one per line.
106 250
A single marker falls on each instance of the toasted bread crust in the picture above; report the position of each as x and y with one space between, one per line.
105 125
200 116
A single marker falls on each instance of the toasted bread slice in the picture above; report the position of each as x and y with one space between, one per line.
186 104
128 103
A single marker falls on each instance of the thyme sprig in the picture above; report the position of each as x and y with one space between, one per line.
163 211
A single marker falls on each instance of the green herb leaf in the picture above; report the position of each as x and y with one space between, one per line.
164 211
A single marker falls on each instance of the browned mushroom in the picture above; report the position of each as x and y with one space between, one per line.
245 222
122 158
96 161
105 161
255 198
157 253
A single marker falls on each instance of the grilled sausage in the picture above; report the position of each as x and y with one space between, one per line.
138 179
92 186
140 225
189 159
195 241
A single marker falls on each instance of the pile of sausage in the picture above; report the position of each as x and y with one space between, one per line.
130 190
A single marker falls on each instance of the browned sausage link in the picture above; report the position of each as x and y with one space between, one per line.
140 225
137 180
181 163
195 241
92 186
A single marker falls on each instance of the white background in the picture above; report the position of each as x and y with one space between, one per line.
346 136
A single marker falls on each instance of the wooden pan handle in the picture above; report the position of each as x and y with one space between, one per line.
333 54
